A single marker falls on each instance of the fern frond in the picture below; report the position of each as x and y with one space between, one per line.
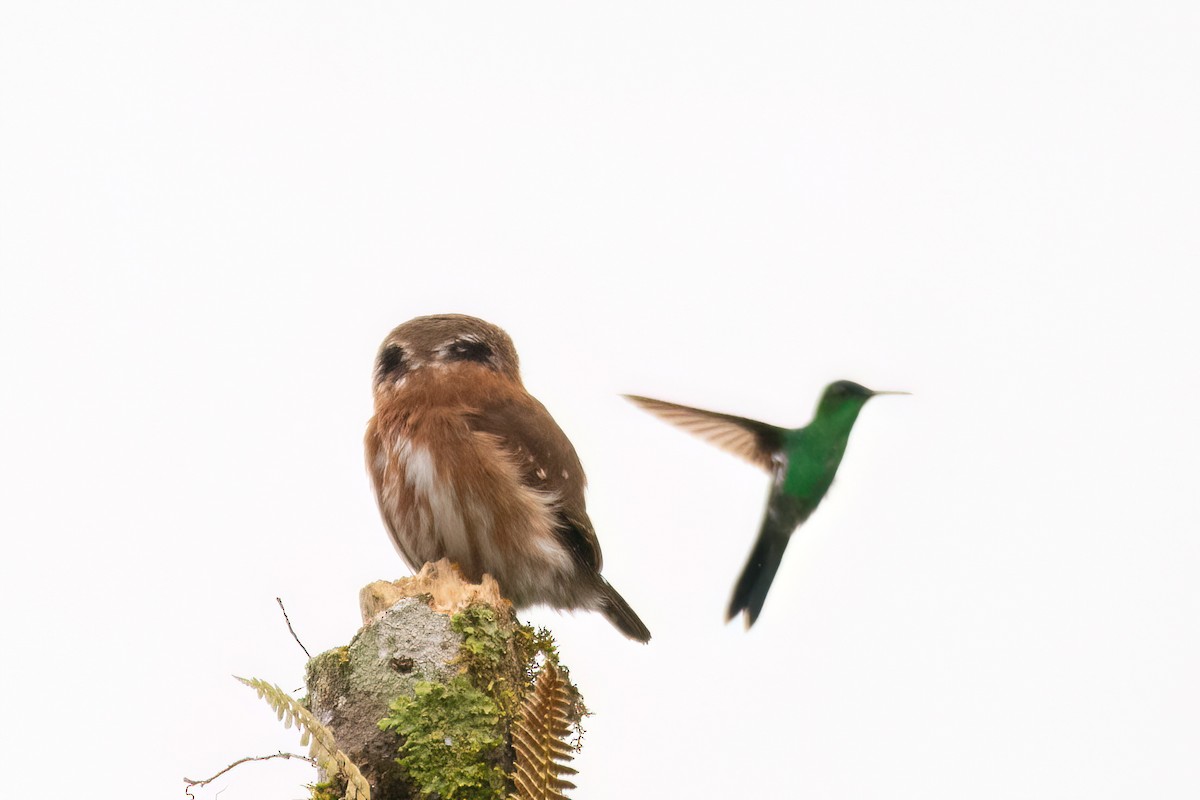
539 739
318 738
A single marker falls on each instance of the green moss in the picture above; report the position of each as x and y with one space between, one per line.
530 644
485 640
452 735
325 791
452 740
489 655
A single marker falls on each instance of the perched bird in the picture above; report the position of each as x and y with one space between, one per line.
468 466
801 461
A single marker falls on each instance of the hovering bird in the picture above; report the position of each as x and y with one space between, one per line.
468 466
801 461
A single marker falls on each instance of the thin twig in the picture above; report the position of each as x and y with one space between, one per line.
293 632
191 784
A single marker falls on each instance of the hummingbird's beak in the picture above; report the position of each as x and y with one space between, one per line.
873 394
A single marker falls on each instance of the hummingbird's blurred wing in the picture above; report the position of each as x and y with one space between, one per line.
757 442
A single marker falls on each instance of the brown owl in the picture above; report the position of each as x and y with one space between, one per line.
468 466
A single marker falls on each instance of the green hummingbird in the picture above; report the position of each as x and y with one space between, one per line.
801 462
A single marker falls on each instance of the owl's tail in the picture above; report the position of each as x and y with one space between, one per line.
618 612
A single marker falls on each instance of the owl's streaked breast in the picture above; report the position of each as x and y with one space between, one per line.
447 491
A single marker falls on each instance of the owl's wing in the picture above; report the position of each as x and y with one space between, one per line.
548 463
757 442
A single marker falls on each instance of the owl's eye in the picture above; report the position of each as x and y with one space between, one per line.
391 363
469 350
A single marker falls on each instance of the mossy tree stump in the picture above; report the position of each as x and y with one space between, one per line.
444 666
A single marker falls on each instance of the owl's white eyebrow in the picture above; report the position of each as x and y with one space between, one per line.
469 338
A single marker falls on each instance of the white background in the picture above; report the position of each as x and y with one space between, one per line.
211 213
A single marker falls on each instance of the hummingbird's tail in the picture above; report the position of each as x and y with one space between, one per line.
618 612
751 590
